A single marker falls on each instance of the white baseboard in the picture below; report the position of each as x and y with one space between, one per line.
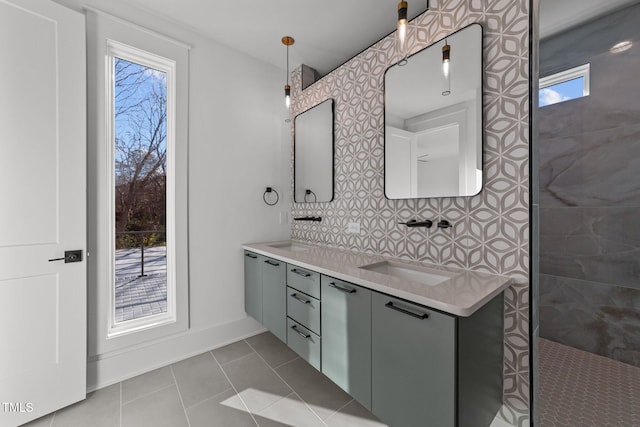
105 370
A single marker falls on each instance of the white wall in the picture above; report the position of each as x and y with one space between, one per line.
238 145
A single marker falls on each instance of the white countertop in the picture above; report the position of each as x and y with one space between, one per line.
461 295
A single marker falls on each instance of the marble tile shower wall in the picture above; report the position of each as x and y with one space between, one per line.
491 230
590 194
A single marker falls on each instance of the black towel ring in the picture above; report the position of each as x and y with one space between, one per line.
270 190
307 192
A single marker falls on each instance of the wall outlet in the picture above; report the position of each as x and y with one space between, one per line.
284 217
353 228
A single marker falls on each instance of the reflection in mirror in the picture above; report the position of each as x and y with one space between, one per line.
433 120
313 154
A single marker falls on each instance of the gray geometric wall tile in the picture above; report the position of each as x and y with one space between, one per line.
489 231
600 244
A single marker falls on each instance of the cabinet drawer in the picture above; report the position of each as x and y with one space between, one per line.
304 280
303 309
304 342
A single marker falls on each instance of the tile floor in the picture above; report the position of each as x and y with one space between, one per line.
254 382
586 390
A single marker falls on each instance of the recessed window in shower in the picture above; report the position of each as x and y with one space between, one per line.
564 86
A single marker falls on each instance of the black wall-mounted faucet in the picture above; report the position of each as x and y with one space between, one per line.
414 223
309 218
444 224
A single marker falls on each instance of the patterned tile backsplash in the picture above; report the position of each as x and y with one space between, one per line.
491 230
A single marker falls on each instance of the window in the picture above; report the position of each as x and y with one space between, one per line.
141 98
564 86
157 67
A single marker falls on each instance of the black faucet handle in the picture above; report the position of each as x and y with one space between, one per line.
444 224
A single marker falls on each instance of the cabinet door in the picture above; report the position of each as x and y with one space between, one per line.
346 337
253 285
274 297
413 364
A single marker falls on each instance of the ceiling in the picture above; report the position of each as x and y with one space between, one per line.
559 15
327 32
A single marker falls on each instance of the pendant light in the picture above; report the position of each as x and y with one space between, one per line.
402 31
446 68
287 41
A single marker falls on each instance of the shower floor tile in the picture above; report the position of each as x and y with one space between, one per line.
583 389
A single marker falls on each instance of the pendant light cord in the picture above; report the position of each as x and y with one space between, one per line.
287 64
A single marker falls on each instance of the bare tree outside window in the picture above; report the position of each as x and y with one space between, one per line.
140 109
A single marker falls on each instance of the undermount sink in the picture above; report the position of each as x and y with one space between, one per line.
424 275
290 246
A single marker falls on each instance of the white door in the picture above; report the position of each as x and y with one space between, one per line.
42 209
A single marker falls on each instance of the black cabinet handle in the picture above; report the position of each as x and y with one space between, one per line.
301 273
299 332
340 288
297 298
275 264
252 256
421 316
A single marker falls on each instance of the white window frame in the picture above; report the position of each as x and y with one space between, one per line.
104 343
567 75
167 66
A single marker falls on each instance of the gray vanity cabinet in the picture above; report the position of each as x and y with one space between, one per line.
253 285
434 369
265 297
274 297
409 364
413 364
346 337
